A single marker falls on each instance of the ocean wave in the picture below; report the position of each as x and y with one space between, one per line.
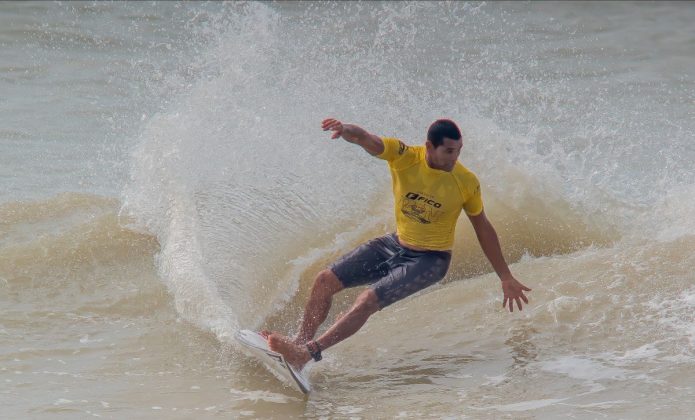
66 239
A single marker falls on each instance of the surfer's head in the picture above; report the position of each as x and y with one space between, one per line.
443 144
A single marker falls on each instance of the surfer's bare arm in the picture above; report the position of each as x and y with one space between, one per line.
354 134
487 236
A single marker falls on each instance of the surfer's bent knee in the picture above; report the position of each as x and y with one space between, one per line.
368 301
329 281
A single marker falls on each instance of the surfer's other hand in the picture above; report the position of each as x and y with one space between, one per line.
513 292
334 125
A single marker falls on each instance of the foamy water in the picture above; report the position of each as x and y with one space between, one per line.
170 184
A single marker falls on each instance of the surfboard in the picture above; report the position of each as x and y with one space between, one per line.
256 346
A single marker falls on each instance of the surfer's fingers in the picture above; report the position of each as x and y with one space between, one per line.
329 124
504 303
518 303
511 305
523 297
328 121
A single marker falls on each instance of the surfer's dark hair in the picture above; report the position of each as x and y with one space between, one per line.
441 129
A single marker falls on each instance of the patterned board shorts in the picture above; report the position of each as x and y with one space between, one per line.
394 272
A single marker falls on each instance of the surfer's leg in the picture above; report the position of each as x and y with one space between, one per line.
316 310
411 271
366 304
362 265
297 355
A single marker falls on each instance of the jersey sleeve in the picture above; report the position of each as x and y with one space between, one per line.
393 149
473 204
398 154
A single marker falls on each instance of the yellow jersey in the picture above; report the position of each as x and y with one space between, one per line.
428 201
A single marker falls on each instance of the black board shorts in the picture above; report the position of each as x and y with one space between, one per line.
393 271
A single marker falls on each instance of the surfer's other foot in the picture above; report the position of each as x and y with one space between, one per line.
296 355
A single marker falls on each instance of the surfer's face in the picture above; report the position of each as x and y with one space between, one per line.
445 156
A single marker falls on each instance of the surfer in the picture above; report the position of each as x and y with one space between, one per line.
430 188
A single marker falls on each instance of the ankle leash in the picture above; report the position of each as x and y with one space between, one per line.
314 350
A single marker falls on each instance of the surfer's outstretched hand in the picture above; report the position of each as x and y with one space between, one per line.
513 291
334 125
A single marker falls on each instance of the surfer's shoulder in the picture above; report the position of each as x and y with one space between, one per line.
466 179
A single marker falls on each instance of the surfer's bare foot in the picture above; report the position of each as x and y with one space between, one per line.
295 354
300 341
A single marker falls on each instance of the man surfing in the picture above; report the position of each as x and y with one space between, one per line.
430 188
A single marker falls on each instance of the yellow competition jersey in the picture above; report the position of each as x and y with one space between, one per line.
428 201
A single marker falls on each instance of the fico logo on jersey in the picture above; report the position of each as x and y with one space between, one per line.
418 197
